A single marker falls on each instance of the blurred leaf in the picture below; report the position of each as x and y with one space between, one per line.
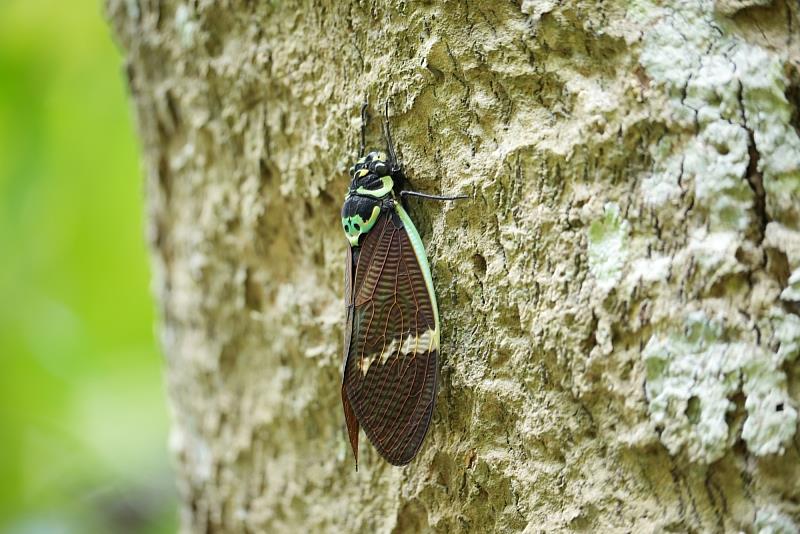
82 409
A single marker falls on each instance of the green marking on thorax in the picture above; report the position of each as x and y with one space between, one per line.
419 250
388 185
353 233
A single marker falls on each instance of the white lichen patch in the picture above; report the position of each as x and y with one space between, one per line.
792 291
663 184
669 53
650 270
186 25
690 376
537 8
713 91
726 105
693 372
768 114
649 275
717 161
787 332
608 247
714 253
732 94
772 521
771 419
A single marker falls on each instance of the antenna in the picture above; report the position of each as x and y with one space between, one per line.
388 134
364 121
417 194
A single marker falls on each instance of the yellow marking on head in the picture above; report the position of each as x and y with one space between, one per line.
362 173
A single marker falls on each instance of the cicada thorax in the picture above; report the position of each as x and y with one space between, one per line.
373 181
359 215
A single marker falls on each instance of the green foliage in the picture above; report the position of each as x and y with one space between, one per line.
82 410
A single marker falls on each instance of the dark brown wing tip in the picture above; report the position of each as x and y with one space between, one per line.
404 460
404 457
352 424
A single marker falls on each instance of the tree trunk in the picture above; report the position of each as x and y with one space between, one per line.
619 296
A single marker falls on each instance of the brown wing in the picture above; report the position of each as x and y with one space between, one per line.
349 415
390 373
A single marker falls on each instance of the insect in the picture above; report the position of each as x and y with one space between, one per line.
392 330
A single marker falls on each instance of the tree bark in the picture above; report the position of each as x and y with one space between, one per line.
619 296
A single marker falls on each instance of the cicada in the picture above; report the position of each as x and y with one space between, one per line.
392 331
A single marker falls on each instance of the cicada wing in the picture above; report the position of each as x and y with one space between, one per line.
391 371
349 415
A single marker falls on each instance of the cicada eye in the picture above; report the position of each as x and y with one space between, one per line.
381 169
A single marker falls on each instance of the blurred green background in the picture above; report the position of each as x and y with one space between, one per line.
83 422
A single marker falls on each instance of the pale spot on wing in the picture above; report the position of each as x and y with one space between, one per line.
364 363
419 344
427 342
391 349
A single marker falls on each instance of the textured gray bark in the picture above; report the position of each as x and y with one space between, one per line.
619 297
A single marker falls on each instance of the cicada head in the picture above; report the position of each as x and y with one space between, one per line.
373 175
374 178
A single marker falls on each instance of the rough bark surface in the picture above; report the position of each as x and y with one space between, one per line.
619 297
